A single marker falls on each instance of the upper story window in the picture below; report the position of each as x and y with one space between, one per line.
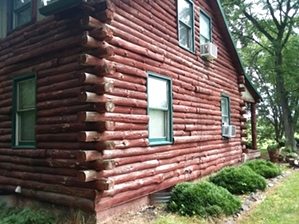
24 111
205 24
159 92
21 12
225 110
185 14
18 13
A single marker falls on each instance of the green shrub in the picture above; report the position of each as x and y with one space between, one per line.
264 168
239 180
203 199
25 216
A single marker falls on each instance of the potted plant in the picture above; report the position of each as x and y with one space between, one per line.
273 151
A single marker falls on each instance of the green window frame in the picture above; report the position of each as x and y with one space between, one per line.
21 13
185 17
225 109
24 111
205 27
159 96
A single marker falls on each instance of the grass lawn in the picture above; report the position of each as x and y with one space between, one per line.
281 204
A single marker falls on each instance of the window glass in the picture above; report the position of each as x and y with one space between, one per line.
26 94
185 24
26 126
205 28
185 12
159 109
20 3
157 124
225 110
158 93
3 18
21 12
24 111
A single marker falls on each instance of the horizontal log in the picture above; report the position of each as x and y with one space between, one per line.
55 120
40 153
101 164
56 198
49 187
241 79
67 137
90 155
89 116
64 127
90 42
106 87
136 48
121 144
123 101
69 110
88 78
72 146
90 136
37 169
242 89
89 22
59 85
128 168
103 32
185 139
105 107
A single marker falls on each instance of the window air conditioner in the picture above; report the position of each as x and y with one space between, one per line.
208 50
228 131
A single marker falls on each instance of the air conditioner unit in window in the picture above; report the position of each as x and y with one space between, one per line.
228 131
208 50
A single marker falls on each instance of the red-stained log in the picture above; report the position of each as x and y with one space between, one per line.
92 136
89 116
60 199
90 155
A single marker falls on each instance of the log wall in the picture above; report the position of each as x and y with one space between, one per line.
92 137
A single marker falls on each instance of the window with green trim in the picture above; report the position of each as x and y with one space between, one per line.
24 111
205 25
186 24
225 110
21 11
159 93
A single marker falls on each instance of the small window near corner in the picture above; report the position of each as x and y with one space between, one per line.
205 25
186 24
225 110
159 91
24 111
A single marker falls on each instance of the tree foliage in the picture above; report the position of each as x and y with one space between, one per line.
267 32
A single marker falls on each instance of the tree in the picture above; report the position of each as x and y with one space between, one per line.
268 27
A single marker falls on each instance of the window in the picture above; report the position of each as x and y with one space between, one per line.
159 92
16 13
205 24
21 13
186 24
24 111
225 110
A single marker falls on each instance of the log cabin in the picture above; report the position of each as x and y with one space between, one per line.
104 102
